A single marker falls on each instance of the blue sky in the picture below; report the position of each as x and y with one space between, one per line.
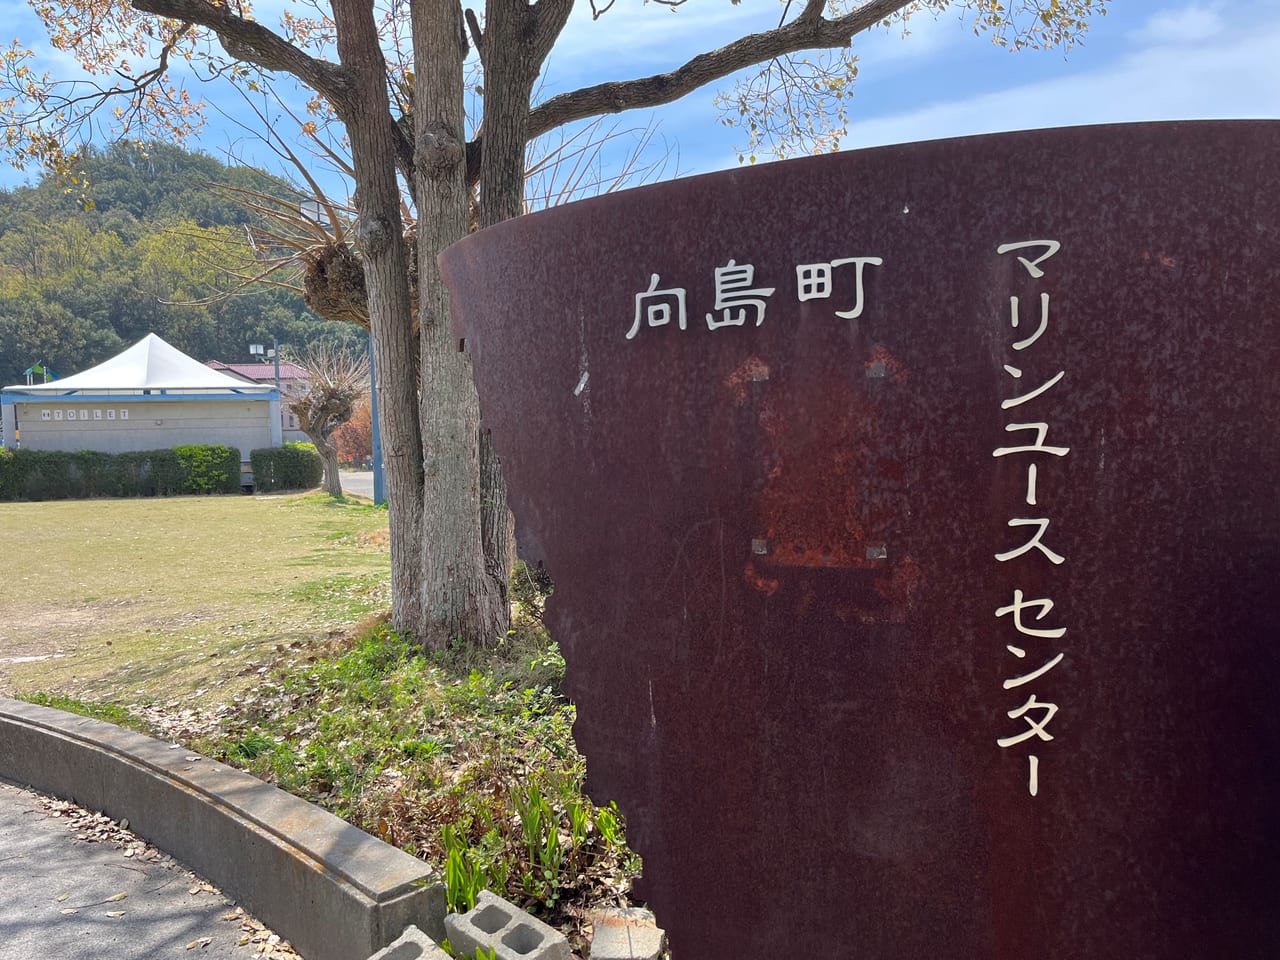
1145 60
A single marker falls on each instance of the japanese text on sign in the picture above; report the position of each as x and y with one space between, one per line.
1031 643
738 298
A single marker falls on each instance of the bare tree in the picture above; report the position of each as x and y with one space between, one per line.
336 381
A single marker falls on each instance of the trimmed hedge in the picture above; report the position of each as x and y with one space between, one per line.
59 475
209 468
295 466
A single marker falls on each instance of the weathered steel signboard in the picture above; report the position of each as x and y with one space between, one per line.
915 520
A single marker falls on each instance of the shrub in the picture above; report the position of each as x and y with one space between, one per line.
37 475
294 466
59 475
209 468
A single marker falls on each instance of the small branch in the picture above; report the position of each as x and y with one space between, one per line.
250 41
148 77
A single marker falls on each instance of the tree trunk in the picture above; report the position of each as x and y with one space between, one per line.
507 90
497 528
332 479
516 40
459 599
380 243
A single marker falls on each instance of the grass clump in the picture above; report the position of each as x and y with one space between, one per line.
110 712
465 758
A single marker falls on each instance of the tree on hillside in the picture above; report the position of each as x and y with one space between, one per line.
336 382
449 543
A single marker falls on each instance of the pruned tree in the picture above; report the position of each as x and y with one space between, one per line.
396 79
336 382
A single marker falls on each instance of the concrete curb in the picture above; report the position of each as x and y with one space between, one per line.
332 890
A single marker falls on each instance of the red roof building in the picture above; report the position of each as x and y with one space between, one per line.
292 379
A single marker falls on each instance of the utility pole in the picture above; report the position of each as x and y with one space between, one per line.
379 482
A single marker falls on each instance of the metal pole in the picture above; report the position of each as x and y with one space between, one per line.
275 348
379 482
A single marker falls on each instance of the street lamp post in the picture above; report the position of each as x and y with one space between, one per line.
256 350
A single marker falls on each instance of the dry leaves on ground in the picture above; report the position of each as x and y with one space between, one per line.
90 827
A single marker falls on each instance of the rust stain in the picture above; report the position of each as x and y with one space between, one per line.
753 369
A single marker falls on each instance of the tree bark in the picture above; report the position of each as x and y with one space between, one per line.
380 243
517 38
332 479
508 86
460 598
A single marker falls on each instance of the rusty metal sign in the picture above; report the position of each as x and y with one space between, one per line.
915 520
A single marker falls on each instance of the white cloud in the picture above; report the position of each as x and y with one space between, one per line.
1238 76
1186 25
920 38
650 36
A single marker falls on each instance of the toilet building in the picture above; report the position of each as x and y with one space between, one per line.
150 397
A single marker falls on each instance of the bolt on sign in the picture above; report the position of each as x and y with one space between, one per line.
915 524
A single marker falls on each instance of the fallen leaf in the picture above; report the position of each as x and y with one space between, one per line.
70 910
63 896
116 898
115 913
202 942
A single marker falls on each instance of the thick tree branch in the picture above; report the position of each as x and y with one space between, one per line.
550 17
477 35
808 31
252 42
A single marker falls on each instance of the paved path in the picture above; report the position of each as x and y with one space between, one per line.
63 898
359 482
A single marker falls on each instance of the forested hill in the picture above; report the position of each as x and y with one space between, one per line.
154 245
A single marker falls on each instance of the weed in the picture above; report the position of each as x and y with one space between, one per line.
482 953
530 587
467 760
251 746
462 877
110 712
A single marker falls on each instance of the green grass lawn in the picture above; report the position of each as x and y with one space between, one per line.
140 600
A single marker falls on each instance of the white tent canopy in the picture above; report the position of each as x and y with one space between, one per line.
150 365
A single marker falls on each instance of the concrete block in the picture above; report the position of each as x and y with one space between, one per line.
330 889
412 945
625 934
511 933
